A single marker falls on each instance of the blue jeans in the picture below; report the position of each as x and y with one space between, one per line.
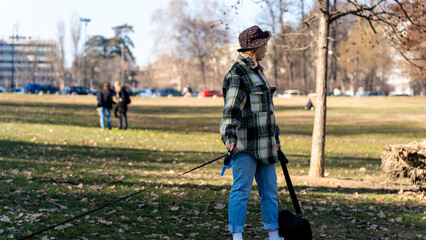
244 169
102 112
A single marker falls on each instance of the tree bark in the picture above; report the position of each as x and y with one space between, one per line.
305 81
316 168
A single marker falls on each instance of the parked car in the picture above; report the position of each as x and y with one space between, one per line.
164 92
49 89
210 93
372 93
394 94
194 93
74 90
144 92
19 90
291 93
34 88
2 89
315 94
93 92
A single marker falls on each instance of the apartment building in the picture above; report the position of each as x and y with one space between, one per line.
34 61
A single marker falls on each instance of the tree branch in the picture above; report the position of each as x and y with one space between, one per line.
407 16
409 60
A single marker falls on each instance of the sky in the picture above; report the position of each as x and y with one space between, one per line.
39 19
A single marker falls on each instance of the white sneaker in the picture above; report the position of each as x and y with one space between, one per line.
237 236
274 235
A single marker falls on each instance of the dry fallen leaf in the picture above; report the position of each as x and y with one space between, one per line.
174 208
219 206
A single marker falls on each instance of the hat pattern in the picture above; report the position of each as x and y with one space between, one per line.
253 37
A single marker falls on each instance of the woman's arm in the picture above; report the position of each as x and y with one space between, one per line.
235 97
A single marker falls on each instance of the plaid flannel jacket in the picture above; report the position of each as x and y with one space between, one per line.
248 117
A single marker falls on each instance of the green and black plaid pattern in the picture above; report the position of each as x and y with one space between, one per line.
248 117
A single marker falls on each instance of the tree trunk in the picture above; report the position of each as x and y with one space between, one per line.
305 82
318 136
203 71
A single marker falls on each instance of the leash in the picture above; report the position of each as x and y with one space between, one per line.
121 199
228 161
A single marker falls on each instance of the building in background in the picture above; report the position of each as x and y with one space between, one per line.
172 72
34 61
398 78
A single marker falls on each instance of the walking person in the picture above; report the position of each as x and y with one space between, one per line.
248 127
105 104
123 100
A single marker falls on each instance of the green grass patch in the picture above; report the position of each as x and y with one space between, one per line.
56 163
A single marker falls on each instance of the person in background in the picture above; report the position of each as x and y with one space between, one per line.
309 105
248 128
337 92
187 90
123 99
105 103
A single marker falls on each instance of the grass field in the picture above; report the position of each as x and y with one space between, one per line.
56 163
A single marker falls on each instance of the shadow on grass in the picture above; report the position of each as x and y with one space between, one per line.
89 154
90 157
345 190
336 161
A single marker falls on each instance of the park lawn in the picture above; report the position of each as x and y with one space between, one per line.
56 163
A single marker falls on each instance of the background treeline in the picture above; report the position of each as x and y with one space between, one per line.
196 45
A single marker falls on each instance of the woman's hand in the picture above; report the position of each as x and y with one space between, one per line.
232 146
278 146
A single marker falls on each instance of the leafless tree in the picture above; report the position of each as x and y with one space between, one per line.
34 66
61 53
373 12
121 44
75 35
192 34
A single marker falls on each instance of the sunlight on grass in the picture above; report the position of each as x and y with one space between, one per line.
56 163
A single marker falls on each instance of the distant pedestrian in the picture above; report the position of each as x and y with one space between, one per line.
187 91
248 127
123 100
105 103
309 105
337 92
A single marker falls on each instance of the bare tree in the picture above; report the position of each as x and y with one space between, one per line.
75 35
61 53
374 12
374 61
121 44
193 34
275 16
34 66
316 168
289 43
283 49
408 38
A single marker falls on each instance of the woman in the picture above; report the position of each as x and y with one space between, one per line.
123 100
248 127
105 104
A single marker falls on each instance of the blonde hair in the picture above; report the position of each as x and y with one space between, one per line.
252 54
117 86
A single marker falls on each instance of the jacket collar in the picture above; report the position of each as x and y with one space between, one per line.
249 62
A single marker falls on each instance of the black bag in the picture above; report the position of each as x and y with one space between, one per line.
292 226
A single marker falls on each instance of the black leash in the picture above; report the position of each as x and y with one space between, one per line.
119 200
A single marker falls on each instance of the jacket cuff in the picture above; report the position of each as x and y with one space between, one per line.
229 139
277 140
